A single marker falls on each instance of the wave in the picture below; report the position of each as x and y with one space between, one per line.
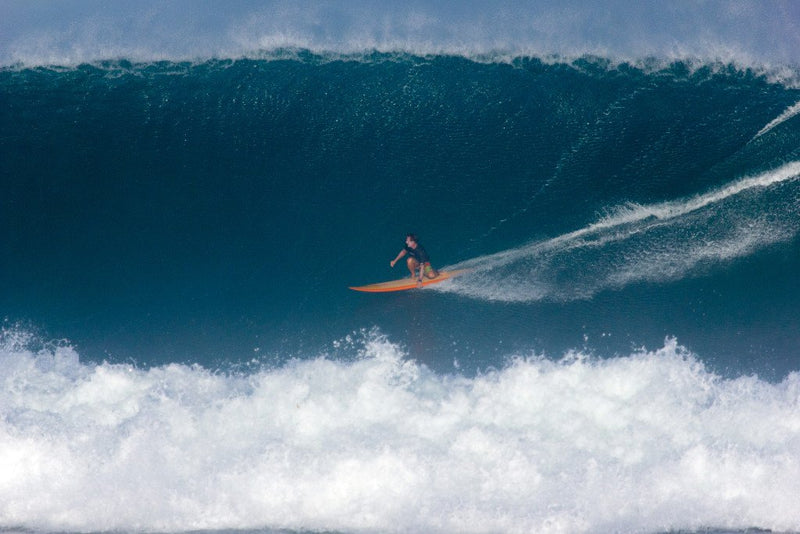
637 243
648 442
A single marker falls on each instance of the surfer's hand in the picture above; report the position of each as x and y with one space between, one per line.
391 263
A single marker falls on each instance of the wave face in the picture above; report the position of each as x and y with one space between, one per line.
190 229
201 213
649 442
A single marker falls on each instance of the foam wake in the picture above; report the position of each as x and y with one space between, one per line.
644 443
643 243
789 113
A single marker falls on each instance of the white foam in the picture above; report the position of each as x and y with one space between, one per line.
789 113
636 243
644 443
84 31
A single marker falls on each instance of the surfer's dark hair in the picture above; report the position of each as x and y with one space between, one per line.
413 237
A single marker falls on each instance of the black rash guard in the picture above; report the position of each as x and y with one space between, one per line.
418 254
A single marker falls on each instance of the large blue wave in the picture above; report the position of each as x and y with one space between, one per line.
206 210
191 229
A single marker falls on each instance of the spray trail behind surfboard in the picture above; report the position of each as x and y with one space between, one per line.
643 243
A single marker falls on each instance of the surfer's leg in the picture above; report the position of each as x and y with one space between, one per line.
429 271
412 266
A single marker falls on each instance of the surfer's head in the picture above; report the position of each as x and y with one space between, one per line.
411 238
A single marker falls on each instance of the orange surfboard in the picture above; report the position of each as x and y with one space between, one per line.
407 283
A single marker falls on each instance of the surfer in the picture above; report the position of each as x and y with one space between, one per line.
418 261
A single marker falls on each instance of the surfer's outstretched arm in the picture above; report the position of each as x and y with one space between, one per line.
399 255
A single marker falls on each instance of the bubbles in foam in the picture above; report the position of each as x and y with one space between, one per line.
647 442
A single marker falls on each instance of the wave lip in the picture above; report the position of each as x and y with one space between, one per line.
84 31
647 442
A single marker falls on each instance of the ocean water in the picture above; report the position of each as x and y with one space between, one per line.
180 351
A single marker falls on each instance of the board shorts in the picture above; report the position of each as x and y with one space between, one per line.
426 268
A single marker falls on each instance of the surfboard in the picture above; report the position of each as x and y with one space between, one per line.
407 283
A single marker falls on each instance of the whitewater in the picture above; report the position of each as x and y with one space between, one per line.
648 442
